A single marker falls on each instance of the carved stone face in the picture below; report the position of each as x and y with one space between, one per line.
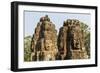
70 24
76 44
46 25
48 45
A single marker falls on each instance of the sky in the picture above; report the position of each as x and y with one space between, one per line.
31 18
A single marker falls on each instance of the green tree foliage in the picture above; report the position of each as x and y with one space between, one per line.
27 50
86 30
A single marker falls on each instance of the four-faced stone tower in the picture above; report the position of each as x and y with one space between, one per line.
71 40
44 41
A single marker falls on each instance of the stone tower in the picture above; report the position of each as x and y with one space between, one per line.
44 41
71 40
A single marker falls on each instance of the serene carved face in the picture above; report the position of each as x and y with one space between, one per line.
70 24
76 44
73 25
48 44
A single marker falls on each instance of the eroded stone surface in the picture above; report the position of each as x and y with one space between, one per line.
71 40
44 41
69 44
